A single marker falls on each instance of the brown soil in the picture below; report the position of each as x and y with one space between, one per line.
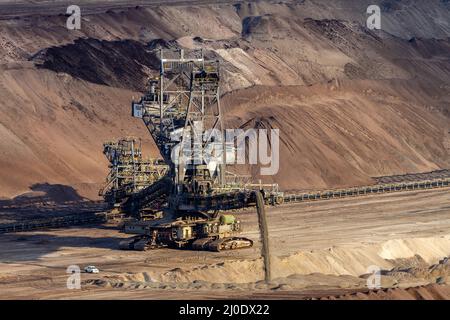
351 103
318 249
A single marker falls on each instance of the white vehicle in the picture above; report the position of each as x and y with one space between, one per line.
91 269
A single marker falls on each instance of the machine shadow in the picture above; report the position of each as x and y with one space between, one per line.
32 246
47 200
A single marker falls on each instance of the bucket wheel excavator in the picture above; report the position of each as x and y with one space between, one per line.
190 200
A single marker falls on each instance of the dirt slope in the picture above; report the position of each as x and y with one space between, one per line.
351 103
53 126
341 136
429 292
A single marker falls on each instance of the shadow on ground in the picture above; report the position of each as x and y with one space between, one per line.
46 200
32 246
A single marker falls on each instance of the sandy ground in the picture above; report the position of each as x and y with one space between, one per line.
318 249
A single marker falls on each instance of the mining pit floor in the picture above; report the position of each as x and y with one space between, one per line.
319 249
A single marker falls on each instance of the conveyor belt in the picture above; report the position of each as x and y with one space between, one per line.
100 217
367 190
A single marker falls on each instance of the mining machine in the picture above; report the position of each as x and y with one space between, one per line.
129 174
181 109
